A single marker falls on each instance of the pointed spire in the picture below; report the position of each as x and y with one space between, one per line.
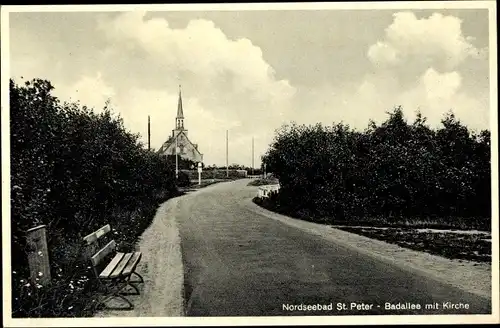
180 112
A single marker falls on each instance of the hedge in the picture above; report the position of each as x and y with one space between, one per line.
396 170
210 173
74 170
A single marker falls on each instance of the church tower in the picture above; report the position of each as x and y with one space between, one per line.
179 119
179 142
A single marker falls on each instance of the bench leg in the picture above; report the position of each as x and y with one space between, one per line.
139 276
113 295
116 294
130 283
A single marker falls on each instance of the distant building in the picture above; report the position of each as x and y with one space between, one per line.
179 138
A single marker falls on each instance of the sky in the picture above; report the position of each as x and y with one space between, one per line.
251 71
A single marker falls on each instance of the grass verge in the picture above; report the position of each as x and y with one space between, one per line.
263 182
204 183
449 244
452 238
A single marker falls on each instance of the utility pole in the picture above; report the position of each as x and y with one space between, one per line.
227 154
227 151
252 154
149 134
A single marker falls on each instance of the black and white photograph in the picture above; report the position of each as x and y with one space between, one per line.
248 164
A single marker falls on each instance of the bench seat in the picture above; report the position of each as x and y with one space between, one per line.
118 267
122 265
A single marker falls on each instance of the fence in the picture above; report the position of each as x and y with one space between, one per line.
264 191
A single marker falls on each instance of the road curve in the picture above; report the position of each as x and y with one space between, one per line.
240 263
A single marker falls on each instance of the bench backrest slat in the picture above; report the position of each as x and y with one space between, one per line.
94 236
105 251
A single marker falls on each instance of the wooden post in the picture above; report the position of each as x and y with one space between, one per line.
38 255
253 151
149 134
227 151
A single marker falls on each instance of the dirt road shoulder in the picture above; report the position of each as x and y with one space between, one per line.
162 269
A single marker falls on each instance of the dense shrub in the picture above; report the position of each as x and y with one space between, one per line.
255 171
182 163
263 182
183 179
74 170
211 173
397 170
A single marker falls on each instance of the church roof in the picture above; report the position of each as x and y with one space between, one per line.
180 112
171 140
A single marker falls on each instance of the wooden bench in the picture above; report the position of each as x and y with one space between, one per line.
113 270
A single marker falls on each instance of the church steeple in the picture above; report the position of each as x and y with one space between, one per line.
179 144
179 120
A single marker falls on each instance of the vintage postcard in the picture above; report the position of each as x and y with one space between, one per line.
250 164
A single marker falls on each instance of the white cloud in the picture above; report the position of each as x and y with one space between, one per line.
138 62
432 93
202 57
436 40
383 53
226 83
440 87
91 91
437 93
418 65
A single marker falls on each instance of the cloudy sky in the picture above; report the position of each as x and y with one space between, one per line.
251 71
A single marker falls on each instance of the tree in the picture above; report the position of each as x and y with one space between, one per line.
394 169
72 169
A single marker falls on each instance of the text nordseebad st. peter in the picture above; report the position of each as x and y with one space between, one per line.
366 307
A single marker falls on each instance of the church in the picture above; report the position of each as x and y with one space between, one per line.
179 139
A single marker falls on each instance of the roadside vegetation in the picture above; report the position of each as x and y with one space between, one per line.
217 173
74 171
450 244
193 185
397 175
263 181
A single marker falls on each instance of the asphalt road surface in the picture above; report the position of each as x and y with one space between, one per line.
240 263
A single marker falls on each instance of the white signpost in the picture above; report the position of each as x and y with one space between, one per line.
199 173
176 160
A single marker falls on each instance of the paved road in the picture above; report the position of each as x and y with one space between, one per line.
240 263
